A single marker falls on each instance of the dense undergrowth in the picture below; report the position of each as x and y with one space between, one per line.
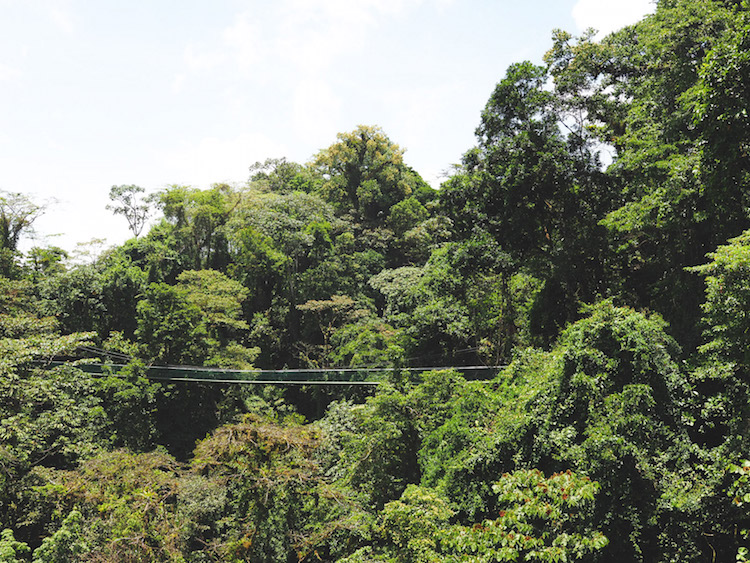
610 301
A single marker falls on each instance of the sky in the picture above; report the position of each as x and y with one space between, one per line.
96 93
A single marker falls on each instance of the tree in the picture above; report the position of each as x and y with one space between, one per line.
10 548
74 297
282 176
406 214
17 214
219 297
722 117
537 193
725 308
364 174
67 544
170 328
619 415
127 202
651 93
220 300
45 261
327 314
460 307
541 519
197 219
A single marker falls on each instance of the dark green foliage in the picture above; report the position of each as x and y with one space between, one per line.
67 545
458 306
131 406
474 431
619 416
75 298
196 220
727 299
172 329
407 214
536 193
565 245
721 114
647 97
379 449
122 283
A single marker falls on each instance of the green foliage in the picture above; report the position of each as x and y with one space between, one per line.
130 401
17 214
739 491
722 116
12 551
619 416
122 283
367 342
127 500
282 176
67 545
19 313
352 260
436 310
406 214
128 202
537 194
42 262
219 298
542 519
194 321
472 431
326 315
286 511
50 416
172 329
378 447
648 95
727 295
407 529
411 524
74 297
197 219
364 173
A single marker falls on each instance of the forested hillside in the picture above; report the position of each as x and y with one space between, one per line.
593 247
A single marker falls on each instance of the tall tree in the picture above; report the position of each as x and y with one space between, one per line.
197 219
127 201
651 92
535 191
17 214
364 174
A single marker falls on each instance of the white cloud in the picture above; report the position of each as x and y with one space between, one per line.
607 16
200 59
317 32
8 73
61 18
245 40
296 36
